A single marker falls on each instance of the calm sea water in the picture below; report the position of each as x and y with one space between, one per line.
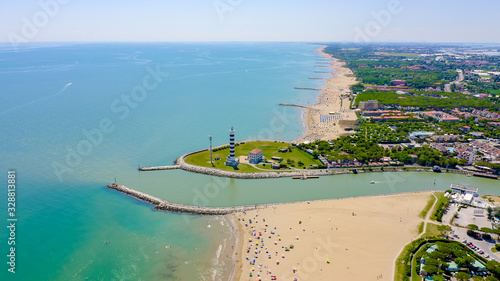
75 117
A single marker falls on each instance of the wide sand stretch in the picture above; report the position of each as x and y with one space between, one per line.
324 119
343 239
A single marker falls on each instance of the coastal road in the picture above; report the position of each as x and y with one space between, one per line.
447 87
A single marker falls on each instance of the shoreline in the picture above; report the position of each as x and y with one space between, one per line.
316 216
331 99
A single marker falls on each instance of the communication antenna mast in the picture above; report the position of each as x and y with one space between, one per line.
211 161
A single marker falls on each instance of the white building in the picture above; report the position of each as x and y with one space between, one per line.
463 189
255 156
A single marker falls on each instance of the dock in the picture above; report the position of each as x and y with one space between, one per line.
300 106
484 175
163 205
305 177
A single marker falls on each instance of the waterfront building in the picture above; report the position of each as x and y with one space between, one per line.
231 159
255 156
463 189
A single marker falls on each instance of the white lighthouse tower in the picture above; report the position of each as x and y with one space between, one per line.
231 160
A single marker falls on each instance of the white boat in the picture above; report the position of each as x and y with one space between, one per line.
372 182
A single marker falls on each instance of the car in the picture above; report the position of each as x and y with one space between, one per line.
481 252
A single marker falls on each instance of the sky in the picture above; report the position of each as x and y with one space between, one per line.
250 20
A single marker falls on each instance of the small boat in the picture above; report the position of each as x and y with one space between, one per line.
372 182
354 171
436 169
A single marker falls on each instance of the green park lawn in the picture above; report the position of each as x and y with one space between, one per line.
269 149
496 92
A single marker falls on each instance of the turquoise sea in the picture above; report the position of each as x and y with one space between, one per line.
75 117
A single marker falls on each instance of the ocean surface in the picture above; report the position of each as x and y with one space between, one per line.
76 117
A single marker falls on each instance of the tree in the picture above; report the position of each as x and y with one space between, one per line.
439 277
492 265
461 262
486 236
430 269
462 276
491 278
476 278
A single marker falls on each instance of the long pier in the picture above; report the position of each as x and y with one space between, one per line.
305 88
173 167
296 105
163 205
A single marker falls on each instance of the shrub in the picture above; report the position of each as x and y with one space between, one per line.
472 227
486 229
472 233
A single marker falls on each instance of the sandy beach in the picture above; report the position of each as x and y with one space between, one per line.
327 119
340 239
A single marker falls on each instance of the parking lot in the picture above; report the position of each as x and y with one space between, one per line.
480 245
467 216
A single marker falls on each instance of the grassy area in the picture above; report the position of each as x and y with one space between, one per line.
402 267
406 55
438 210
424 212
269 149
432 230
420 228
496 92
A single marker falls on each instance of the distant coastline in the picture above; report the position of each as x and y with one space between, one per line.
332 99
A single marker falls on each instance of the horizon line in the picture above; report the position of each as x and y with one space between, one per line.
251 41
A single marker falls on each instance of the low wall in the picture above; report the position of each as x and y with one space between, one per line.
180 163
160 168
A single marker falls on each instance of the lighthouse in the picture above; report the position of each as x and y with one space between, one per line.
231 160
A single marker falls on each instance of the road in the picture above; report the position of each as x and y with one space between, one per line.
447 87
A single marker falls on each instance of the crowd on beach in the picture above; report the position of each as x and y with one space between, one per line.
321 124
267 249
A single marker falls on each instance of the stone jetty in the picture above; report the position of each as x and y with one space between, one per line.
159 168
306 88
180 163
163 205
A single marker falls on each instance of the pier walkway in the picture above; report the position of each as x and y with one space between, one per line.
159 168
164 205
